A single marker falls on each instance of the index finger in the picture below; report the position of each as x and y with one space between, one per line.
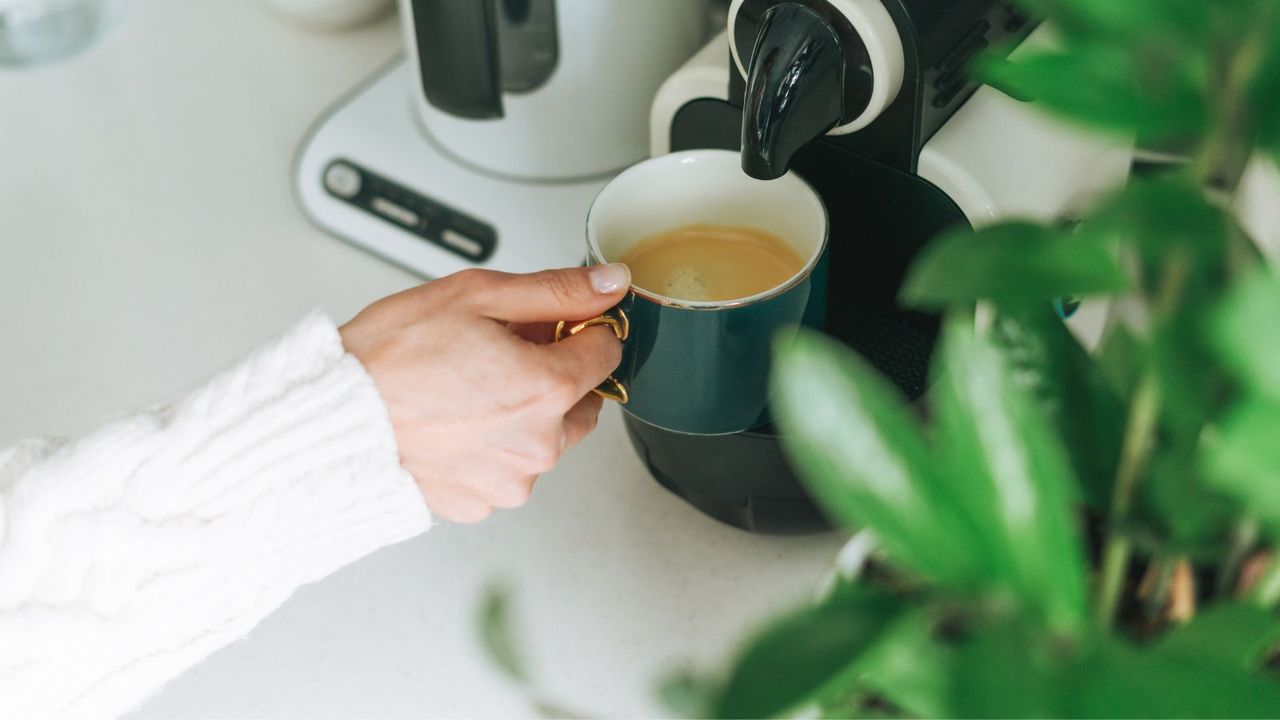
552 295
584 360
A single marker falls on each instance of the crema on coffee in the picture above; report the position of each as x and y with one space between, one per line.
712 263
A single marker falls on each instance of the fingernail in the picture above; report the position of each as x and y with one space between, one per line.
609 279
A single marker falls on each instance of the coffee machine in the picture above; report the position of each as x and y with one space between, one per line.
483 145
869 101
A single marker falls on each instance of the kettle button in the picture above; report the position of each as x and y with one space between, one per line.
396 212
343 180
461 242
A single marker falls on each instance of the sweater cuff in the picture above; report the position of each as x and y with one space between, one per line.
302 436
274 474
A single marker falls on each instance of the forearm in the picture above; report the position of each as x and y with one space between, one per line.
130 555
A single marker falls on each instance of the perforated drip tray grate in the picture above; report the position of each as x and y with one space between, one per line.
898 343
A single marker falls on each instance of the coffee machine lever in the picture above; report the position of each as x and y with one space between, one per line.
795 88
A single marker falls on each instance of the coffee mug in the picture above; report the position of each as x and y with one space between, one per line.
702 367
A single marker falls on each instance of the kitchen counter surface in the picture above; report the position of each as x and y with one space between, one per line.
148 238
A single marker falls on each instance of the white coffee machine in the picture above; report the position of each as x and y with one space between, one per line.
485 144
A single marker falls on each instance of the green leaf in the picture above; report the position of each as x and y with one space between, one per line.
1119 358
1182 20
1157 214
806 655
1005 670
1050 365
1008 669
1193 384
1118 680
1011 477
1248 42
860 453
998 512
1122 67
910 667
1110 87
688 694
1236 635
1245 333
1178 513
1265 97
496 635
1242 458
1016 262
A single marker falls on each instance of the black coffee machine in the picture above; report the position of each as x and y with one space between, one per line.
871 103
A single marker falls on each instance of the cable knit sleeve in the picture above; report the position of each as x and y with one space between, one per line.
130 555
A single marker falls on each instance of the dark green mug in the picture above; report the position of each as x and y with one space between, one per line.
702 367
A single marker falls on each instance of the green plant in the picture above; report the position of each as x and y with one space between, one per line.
1065 535
1062 533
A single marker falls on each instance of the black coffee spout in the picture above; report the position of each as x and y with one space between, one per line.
795 88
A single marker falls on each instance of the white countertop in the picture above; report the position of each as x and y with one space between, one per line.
148 237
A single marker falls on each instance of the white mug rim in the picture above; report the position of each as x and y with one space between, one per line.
684 157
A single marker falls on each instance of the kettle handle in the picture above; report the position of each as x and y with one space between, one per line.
457 49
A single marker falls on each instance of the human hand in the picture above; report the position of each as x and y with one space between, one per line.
480 399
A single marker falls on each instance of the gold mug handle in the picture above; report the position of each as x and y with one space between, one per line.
616 320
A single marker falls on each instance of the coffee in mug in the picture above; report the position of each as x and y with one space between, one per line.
705 262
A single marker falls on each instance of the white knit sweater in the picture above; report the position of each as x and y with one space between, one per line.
130 555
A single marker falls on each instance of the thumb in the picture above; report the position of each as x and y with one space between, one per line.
566 294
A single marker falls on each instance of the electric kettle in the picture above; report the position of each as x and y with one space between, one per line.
545 89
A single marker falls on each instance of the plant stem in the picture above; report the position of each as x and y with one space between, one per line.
1133 460
1136 451
1222 159
1115 562
1267 592
1243 537
1159 595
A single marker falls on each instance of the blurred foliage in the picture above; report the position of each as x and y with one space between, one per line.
809 656
1041 495
1019 262
497 636
1034 509
1072 391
